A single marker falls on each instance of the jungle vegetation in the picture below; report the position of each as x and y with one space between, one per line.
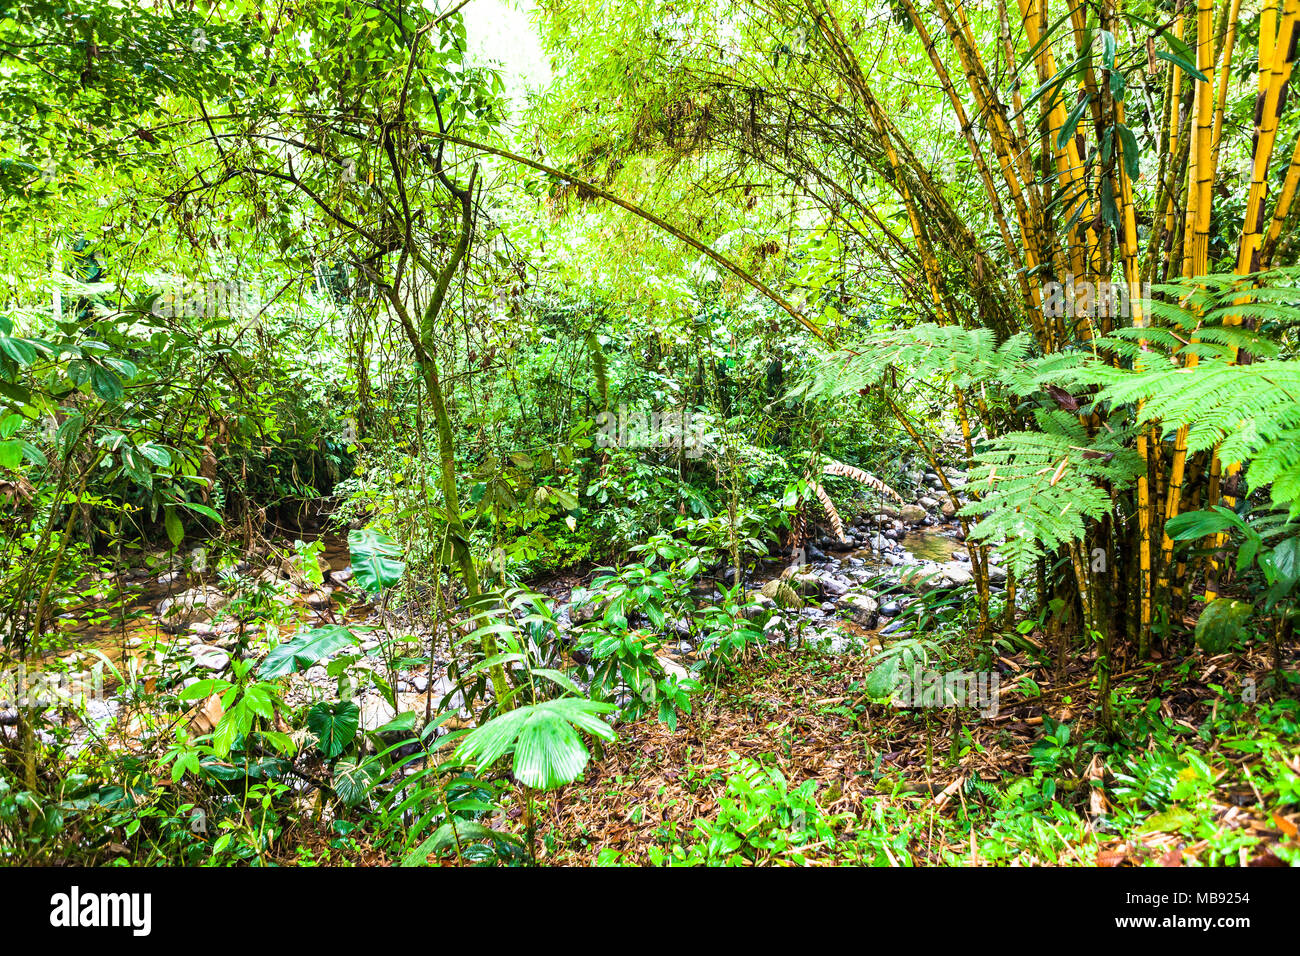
417 451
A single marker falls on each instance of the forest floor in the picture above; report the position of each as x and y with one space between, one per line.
897 793
786 760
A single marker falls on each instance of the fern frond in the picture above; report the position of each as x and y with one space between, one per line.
841 470
832 514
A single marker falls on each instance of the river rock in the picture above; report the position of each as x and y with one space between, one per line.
100 713
209 657
782 593
913 514
806 584
834 587
673 669
189 607
922 577
760 606
954 572
342 575
778 628
446 695
375 712
865 609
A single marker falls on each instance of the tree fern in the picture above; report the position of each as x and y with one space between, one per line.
1039 488
840 470
1251 412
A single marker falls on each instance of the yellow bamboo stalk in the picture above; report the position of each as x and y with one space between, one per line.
1128 243
833 35
1031 294
1276 60
1200 179
1069 163
1199 194
1175 122
1285 200
1277 52
1225 72
1021 137
1009 150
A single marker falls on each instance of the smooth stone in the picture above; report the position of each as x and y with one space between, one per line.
957 573
865 609
197 605
210 658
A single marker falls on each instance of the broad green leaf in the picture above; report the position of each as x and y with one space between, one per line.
453 833
157 454
548 750
1220 624
305 650
20 350
175 530
106 385
334 724
375 559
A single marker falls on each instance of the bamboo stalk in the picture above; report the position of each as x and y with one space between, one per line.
1277 52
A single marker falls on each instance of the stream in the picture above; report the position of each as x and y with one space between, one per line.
190 625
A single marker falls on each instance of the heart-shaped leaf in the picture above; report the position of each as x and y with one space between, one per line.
334 724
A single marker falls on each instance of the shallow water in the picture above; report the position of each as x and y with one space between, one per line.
931 544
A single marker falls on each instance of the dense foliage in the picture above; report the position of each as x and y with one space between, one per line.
387 429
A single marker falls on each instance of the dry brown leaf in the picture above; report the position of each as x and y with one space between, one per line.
204 718
1116 857
1286 826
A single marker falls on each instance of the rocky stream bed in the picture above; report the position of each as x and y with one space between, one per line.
176 626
